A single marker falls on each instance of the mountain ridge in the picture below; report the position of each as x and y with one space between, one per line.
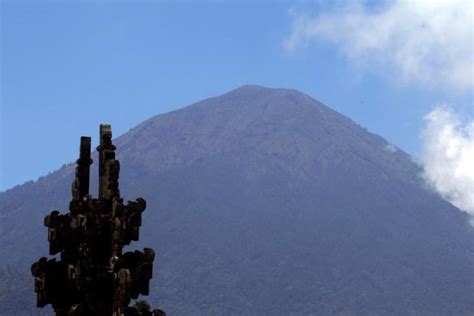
246 89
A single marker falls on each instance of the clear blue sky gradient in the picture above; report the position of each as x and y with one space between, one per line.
66 67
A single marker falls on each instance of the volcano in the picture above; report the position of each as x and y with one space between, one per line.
266 202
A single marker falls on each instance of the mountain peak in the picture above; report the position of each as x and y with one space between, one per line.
252 99
253 89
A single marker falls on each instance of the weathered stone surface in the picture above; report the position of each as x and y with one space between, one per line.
93 276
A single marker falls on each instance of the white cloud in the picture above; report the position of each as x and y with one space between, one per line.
390 148
448 155
426 42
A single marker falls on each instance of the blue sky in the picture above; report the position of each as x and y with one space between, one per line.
66 67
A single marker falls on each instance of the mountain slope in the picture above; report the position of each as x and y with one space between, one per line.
264 201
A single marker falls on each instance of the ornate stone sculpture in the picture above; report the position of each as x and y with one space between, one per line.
93 276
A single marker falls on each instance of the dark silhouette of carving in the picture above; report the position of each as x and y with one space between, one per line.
93 276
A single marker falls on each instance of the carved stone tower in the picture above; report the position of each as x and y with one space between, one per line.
93 276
